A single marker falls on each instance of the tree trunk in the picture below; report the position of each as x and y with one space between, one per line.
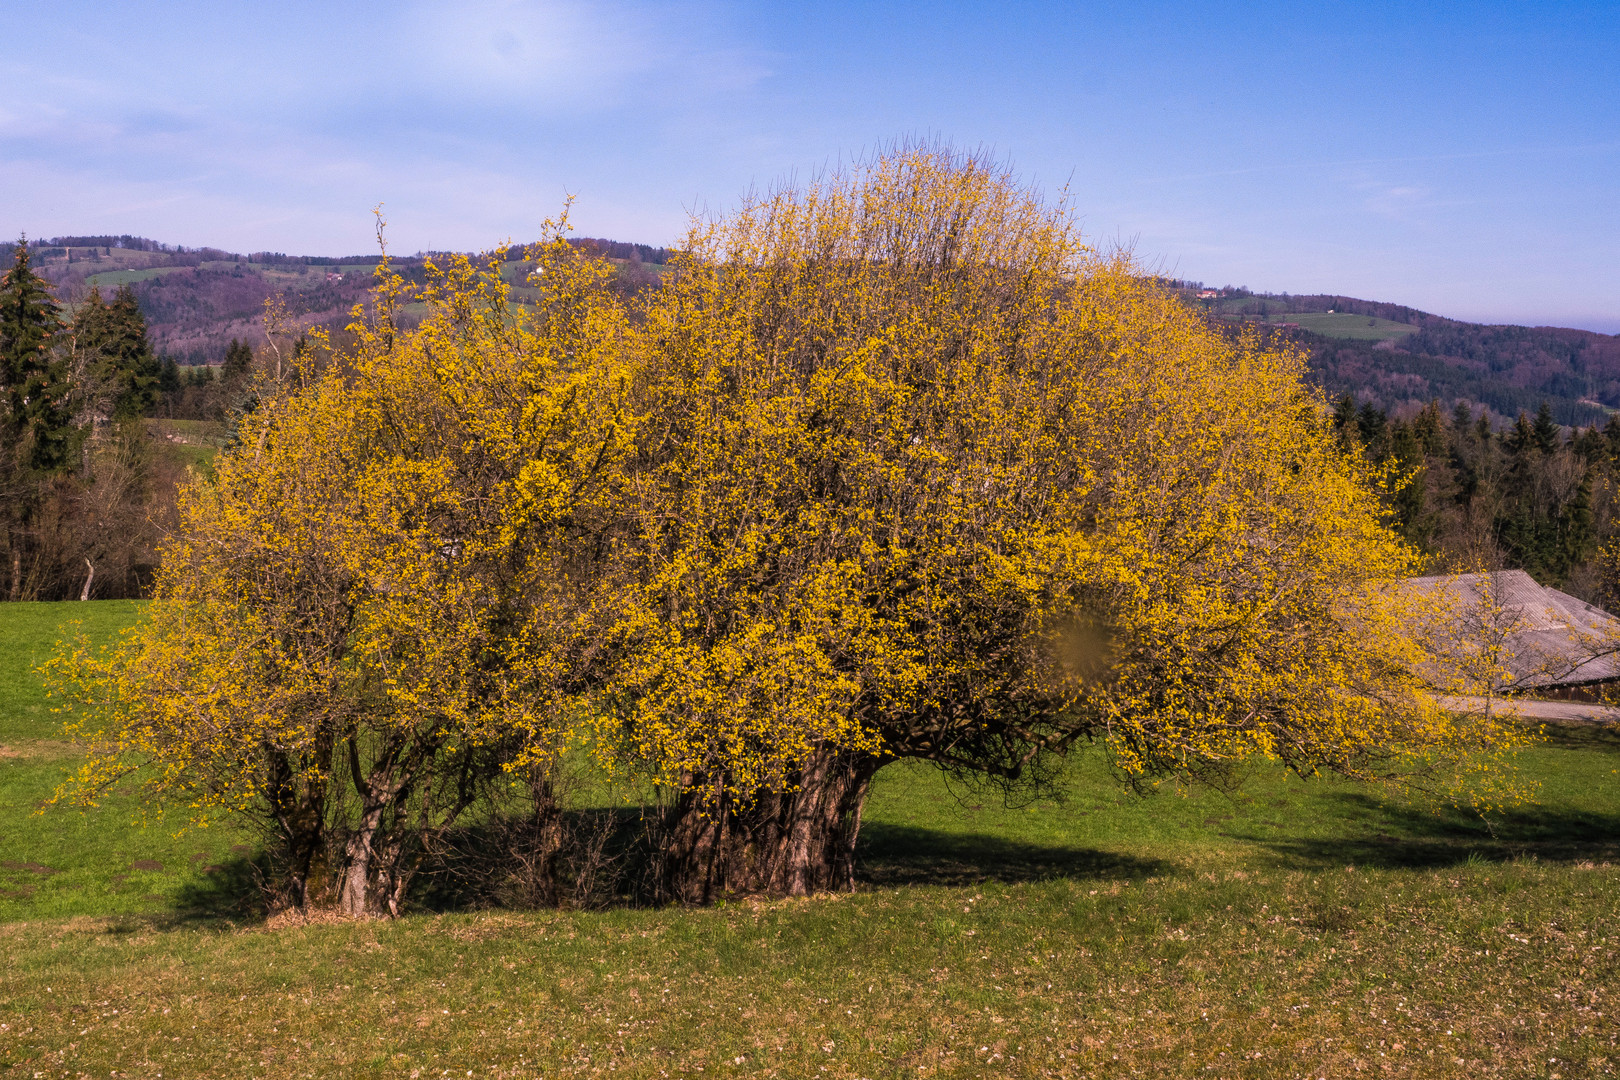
539 857
376 871
790 843
357 899
299 811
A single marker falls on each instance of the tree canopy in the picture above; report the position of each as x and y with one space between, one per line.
892 466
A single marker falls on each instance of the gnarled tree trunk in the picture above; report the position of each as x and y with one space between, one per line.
782 843
376 873
297 806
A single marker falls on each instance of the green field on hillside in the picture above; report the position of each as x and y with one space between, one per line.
111 279
1294 928
189 442
1350 327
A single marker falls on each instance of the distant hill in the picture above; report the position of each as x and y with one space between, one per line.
1399 358
196 300
1394 357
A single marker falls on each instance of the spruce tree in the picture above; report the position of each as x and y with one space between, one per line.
1371 424
1588 444
169 377
1344 412
1521 437
1577 536
1545 429
34 379
1611 437
1414 520
121 365
137 366
238 362
1429 428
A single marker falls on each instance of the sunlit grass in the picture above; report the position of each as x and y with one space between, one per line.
1294 929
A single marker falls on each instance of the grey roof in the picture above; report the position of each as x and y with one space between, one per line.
1549 638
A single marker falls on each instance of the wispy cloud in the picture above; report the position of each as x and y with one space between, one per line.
573 55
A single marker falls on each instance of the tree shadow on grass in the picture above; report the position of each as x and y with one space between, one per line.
1416 838
893 855
230 891
1598 738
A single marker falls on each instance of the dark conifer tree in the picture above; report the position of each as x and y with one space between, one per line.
1344 411
1370 424
120 368
1429 429
169 377
37 436
1577 534
1611 436
1410 501
1545 430
34 378
238 362
137 366
1520 437
1588 443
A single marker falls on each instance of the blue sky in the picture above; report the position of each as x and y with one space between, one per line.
1463 158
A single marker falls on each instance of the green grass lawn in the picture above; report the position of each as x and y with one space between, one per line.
111 279
1351 327
190 442
1297 929
1334 324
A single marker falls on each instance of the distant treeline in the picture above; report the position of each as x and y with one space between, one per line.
1536 496
619 249
58 245
124 241
1507 369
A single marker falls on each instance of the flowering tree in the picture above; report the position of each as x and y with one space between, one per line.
891 467
350 636
920 476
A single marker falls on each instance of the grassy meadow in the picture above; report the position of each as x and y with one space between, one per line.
107 280
1295 929
1338 324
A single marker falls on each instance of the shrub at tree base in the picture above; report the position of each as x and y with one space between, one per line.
891 466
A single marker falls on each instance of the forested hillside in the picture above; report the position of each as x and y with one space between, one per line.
196 301
1399 359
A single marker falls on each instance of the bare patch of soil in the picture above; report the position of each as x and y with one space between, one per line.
36 748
